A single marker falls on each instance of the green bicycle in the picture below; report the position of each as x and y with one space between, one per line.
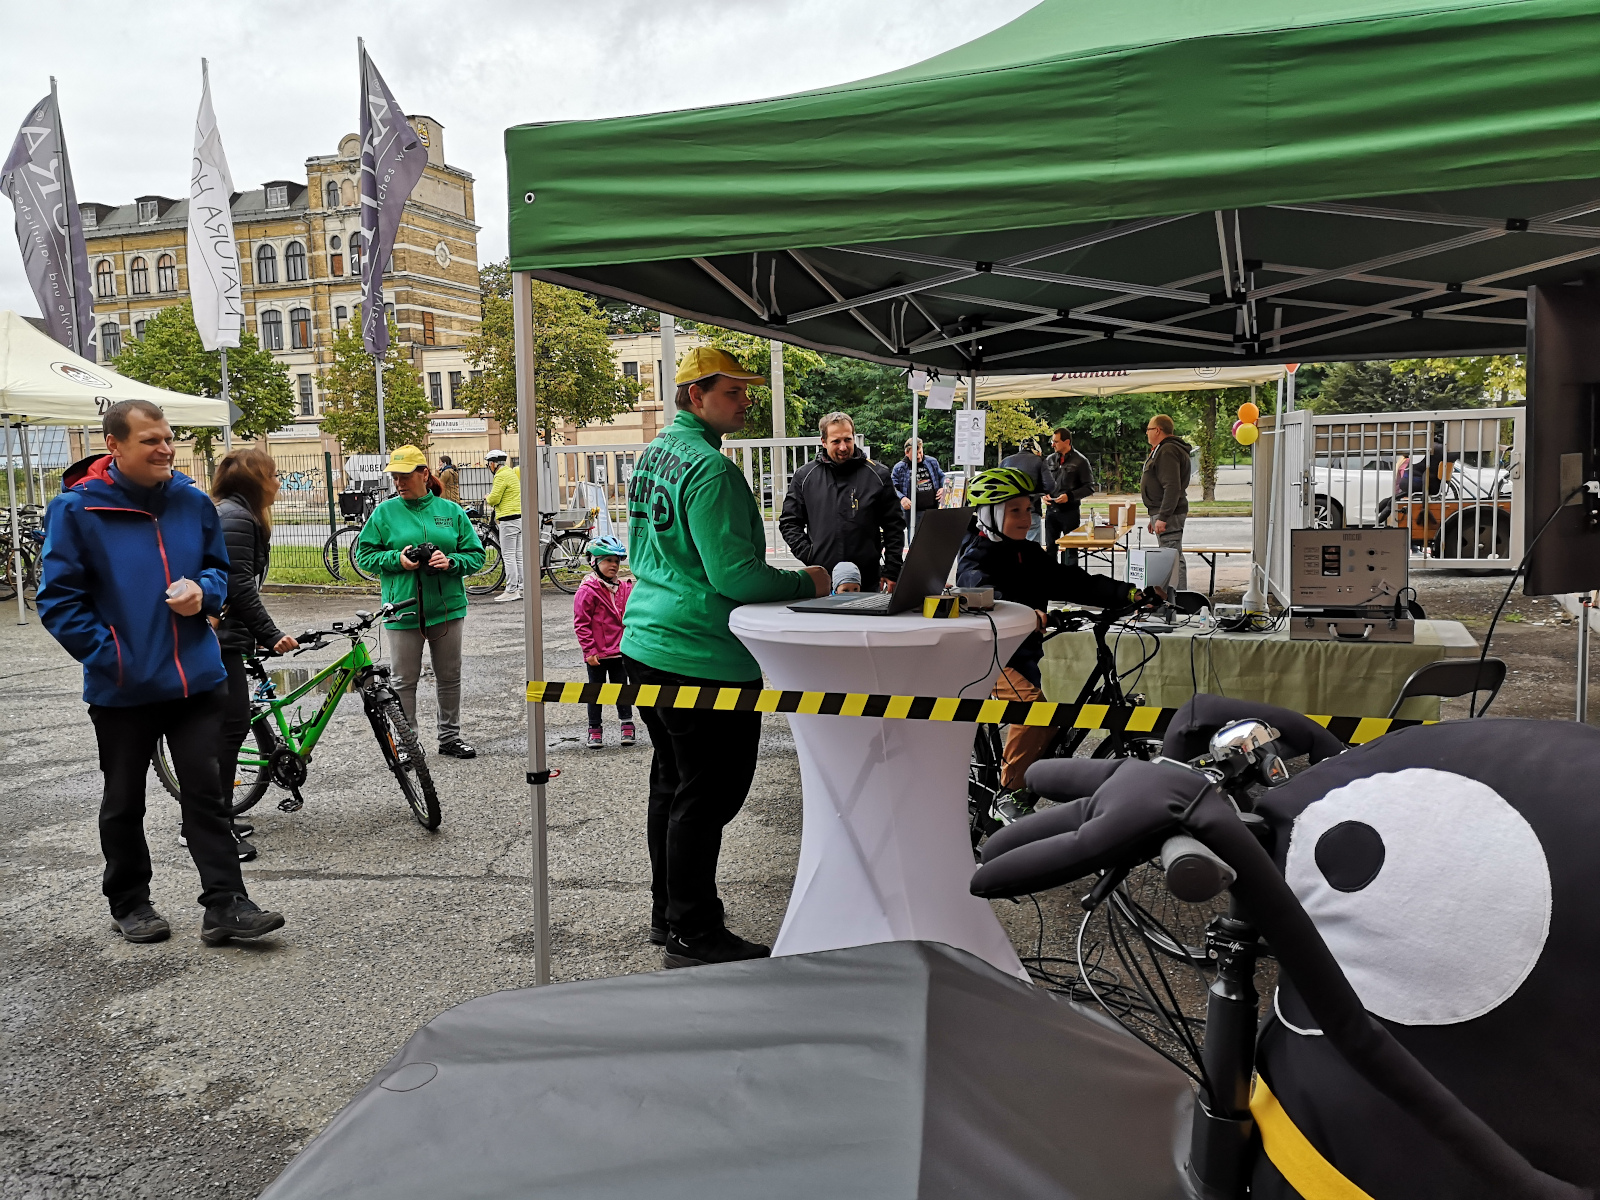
283 744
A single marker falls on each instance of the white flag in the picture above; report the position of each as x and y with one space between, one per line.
213 254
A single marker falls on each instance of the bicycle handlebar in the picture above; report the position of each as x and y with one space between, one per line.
315 639
1194 873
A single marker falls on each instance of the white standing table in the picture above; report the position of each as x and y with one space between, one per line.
885 853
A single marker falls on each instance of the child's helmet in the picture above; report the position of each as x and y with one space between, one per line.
606 547
989 491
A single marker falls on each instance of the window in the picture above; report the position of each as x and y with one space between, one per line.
335 259
435 390
630 370
149 211
358 248
166 274
299 328
271 330
110 340
90 218
388 312
455 388
427 330
105 280
138 330
294 262
341 314
278 195
308 407
266 265
331 192
138 278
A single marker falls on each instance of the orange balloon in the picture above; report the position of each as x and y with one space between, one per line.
1249 413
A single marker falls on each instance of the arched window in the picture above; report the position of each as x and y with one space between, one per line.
299 328
138 330
138 278
358 252
332 194
341 314
166 274
105 280
266 265
271 322
335 258
110 340
294 262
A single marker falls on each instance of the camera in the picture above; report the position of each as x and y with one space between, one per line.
420 555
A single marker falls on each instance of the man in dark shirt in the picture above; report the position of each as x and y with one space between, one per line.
1069 480
1164 488
842 507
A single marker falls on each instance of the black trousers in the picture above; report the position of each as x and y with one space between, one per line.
700 774
235 721
1061 519
127 738
610 670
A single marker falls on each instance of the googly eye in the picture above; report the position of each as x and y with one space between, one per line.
1430 889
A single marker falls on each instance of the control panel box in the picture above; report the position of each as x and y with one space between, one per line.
1347 568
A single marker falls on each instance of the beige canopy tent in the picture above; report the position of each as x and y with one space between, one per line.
1116 383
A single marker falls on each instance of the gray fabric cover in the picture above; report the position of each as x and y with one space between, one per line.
905 1069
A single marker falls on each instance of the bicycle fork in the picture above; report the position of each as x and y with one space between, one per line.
1219 1149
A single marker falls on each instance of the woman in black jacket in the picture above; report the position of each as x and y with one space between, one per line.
245 485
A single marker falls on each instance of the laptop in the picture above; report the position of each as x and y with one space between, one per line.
939 535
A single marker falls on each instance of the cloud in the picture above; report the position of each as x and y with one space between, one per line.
283 81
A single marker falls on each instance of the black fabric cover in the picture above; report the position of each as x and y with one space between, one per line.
904 1069
1189 733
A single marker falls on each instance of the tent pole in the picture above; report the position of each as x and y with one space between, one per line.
911 483
780 430
27 465
16 529
532 609
669 371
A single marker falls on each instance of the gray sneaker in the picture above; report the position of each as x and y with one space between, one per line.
142 924
1013 805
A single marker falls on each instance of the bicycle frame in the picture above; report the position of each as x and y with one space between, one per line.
301 736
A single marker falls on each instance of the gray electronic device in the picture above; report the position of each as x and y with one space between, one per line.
1348 568
927 567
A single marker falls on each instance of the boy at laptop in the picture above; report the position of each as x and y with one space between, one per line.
998 554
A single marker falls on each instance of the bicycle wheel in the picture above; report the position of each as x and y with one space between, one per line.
251 777
493 572
564 560
402 750
339 558
983 783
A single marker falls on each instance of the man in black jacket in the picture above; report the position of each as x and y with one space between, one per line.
1068 479
843 507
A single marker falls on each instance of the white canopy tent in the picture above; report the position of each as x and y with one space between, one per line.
1118 383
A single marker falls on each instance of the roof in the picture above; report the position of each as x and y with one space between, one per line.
1091 142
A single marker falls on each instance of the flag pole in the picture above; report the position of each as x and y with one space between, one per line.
377 364
71 265
227 430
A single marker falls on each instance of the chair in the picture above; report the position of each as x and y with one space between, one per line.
1455 677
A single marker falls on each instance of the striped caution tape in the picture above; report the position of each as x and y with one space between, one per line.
1143 719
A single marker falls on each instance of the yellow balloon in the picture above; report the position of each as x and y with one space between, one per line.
1247 435
1249 413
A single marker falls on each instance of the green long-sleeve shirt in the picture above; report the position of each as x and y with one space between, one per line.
398 523
697 549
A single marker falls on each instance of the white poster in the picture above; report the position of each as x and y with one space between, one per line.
919 381
970 424
941 395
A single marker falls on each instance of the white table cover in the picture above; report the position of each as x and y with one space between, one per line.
884 851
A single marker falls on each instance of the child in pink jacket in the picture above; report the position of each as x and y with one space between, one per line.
597 618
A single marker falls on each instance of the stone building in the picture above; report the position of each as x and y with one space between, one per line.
302 265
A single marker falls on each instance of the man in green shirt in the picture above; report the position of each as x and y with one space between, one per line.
698 550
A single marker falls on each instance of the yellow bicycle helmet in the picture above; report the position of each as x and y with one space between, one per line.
989 491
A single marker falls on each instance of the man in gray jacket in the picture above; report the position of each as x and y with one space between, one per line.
1164 488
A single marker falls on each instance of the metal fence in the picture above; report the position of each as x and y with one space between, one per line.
307 508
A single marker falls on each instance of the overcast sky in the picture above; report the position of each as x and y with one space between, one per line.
283 77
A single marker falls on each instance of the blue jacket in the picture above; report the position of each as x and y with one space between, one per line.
902 480
111 550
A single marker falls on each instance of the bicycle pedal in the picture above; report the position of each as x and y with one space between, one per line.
291 803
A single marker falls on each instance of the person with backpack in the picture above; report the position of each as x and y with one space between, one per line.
597 620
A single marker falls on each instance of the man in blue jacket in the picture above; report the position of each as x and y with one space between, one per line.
134 563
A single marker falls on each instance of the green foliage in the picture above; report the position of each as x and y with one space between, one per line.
1414 384
878 400
171 356
629 318
755 354
350 395
1009 422
1109 431
575 375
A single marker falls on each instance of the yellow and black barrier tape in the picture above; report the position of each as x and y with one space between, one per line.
1143 719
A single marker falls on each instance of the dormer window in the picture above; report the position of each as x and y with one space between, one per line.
91 219
278 195
149 212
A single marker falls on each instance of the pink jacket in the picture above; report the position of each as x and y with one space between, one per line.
597 616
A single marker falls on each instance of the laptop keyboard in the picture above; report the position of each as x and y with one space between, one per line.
873 600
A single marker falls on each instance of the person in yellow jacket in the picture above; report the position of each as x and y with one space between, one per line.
505 498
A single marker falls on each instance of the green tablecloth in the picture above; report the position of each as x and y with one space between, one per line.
1342 679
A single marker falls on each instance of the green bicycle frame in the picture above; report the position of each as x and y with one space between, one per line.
302 735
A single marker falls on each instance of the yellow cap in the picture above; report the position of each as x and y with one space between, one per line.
705 361
405 459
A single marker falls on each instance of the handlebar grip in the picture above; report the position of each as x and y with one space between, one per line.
1194 873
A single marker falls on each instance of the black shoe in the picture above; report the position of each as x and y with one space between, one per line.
718 946
242 829
143 924
457 749
247 852
237 917
658 934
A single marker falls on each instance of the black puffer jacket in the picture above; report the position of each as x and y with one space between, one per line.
849 511
246 623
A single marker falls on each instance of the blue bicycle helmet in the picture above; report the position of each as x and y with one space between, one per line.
606 547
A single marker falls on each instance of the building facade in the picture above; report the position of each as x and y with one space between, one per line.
303 267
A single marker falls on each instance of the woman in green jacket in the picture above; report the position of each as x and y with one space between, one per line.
394 544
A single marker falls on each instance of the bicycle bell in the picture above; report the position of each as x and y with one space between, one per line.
1240 745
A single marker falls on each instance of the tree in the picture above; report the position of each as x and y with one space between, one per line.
575 375
755 354
629 318
1411 385
1009 422
350 395
1109 431
879 402
170 356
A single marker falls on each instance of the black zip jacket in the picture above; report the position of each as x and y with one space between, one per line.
246 623
849 511
1068 474
1025 572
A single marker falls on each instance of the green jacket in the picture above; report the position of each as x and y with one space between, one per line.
398 523
698 551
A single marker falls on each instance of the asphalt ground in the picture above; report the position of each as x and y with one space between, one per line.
174 1070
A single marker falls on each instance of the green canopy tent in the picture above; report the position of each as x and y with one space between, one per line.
1152 184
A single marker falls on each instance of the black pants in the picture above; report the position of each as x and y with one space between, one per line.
235 721
610 670
127 738
1061 519
700 774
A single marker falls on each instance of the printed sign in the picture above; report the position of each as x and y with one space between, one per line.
970 425
942 395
